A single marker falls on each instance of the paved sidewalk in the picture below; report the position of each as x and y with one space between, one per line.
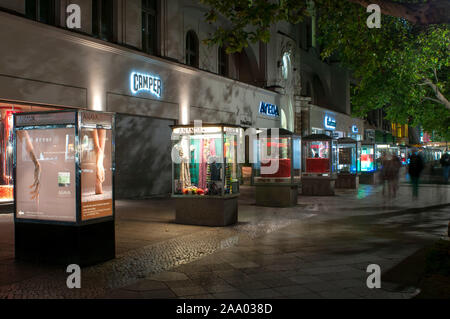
348 230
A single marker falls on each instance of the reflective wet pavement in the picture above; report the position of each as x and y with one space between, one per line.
318 249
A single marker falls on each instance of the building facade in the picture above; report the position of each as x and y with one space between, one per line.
325 90
146 61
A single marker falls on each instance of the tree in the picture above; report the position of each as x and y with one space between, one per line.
402 67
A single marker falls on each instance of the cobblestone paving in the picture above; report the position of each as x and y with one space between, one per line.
129 267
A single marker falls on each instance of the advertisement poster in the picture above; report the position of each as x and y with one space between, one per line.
96 173
45 181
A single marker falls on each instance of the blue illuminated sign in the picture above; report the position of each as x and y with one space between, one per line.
354 129
145 82
268 109
330 123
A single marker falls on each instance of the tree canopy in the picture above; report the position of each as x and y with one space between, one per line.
402 67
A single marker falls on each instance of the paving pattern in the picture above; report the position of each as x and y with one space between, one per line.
320 248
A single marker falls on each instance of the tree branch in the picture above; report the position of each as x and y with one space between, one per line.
442 99
431 12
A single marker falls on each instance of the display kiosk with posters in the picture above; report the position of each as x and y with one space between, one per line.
347 163
368 164
206 173
318 177
64 187
276 168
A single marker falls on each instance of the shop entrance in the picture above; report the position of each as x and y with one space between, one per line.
6 145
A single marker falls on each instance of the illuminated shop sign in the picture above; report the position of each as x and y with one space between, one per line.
354 129
268 109
330 123
145 83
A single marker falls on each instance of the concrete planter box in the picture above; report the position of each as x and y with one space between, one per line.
349 181
206 210
276 195
318 186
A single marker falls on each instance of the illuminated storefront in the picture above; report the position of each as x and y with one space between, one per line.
6 145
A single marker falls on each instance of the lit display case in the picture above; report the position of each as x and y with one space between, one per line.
64 186
276 168
206 173
403 154
318 177
368 164
347 151
347 163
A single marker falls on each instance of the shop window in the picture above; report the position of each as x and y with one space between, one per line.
223 61
41 10
149 26
192 49
102 19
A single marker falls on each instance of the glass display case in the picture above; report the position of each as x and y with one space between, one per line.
276 167
317 155
277 157
347 156
347 163
205 167
318 173
64 177
368 164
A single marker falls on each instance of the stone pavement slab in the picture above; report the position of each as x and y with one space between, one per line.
270 249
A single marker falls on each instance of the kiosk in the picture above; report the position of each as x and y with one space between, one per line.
368 165
64 187
206 173
276 169
318 178
347 163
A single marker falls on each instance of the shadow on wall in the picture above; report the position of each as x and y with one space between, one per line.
143 160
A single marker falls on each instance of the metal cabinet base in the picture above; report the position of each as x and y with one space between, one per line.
368 178
65 244
349 181
204 211
318 186
278 195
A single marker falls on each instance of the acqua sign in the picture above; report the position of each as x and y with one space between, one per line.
269 109
145 82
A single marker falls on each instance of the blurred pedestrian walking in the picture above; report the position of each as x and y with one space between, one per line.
384 161
445 162
415 168
390 173
393 175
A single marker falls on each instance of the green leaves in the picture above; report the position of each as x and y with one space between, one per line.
391 64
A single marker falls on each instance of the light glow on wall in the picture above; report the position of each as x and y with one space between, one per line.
97 103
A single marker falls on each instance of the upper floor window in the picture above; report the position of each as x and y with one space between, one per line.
41 10
149 26
102 19
192 49
223 61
